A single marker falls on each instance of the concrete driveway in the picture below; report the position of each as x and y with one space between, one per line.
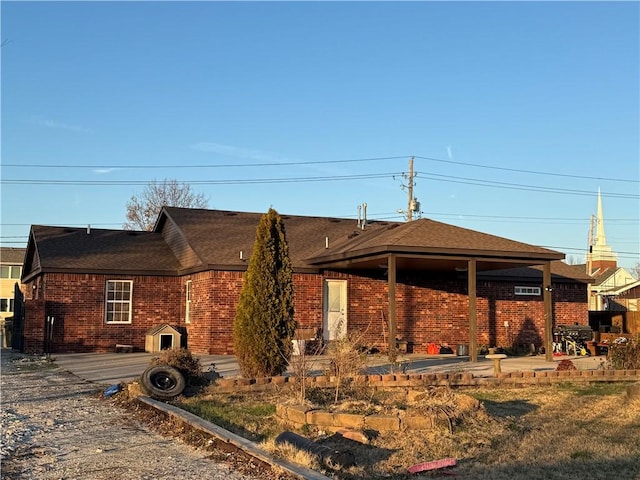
112 368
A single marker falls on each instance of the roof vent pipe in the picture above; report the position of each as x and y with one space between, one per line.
359 210
241 255
88 229
364 215
326 242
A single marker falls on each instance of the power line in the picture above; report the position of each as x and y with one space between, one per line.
517 186
66 224
237 181
533 172
230 165
585 250
509 217
444 178
320 162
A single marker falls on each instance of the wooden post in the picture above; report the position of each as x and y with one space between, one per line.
548 312
391 276
473 316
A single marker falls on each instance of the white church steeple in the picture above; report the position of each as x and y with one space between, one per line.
600 255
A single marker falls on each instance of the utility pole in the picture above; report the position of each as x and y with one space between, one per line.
413 205
590 251
410 189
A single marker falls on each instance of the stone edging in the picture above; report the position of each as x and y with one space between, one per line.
299 415
229 385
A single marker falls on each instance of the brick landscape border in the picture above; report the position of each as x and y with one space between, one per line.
230 385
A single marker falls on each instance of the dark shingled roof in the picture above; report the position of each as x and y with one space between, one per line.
602 275
214 239
118 251
218 236
11 255
435 237
559 271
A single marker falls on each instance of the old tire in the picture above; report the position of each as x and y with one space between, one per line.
162 382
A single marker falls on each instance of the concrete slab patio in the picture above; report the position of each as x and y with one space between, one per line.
112 368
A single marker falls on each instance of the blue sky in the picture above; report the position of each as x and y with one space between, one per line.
516 112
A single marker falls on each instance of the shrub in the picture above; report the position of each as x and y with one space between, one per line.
565 364
264 324
625 356
183 361
348 356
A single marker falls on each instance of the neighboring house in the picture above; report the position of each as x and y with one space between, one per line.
622 299
605 283
10 272
420 281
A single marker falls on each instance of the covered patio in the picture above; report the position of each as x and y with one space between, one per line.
428 246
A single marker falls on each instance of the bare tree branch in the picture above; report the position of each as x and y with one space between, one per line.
635 271
143 211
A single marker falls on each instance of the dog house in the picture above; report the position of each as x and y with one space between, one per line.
162 337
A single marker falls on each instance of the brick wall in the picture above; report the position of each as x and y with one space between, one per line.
214 299
430 307
434 308
33 336
77 302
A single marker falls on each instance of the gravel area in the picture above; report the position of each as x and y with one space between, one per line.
57 426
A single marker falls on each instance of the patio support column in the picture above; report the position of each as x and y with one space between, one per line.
473 315
548 312
391 278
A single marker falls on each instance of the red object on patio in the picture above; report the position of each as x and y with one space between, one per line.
433 349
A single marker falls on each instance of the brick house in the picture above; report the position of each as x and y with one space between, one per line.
421 282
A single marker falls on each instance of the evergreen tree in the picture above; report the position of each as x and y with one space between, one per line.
264 324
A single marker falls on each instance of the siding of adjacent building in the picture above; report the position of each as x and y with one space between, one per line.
11 263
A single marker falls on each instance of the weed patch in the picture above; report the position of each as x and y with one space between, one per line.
246 417
556 431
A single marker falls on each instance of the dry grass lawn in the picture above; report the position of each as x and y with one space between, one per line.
554 432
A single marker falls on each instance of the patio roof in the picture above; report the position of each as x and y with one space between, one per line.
429 245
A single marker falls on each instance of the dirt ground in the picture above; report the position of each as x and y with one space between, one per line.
54 425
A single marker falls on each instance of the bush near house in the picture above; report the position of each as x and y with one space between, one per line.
183 361
264 324
625 356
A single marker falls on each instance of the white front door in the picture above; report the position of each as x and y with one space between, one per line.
335 309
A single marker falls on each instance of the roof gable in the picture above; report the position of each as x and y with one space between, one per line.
162 328
176 239
224 238
613 278
63 249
